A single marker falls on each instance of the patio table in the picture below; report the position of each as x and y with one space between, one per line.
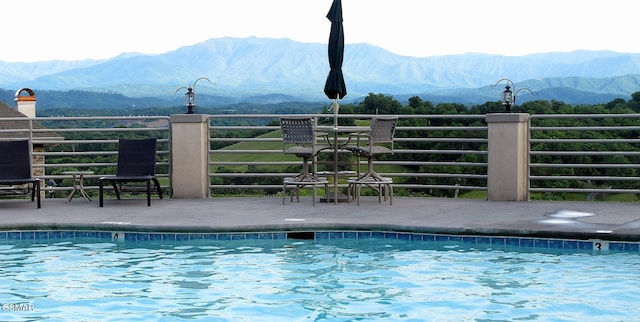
337 146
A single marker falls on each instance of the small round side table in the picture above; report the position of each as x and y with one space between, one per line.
78 184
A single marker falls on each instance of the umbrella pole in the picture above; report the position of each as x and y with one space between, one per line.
335 108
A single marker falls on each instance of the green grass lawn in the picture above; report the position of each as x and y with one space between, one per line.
271 157
255 157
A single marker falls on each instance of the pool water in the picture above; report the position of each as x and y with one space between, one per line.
312 280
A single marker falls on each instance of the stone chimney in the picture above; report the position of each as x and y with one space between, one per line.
26 101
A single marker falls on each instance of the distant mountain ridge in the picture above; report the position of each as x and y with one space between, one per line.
252 67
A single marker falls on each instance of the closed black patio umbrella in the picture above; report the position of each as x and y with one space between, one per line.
335 87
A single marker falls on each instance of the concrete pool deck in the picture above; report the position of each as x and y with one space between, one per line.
582 220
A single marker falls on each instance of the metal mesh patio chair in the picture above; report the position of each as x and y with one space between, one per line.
15 170
378 141
299 137
136 163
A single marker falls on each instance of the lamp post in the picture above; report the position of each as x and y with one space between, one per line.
508 95
190 95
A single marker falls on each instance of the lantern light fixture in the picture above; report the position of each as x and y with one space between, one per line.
190 95
509 95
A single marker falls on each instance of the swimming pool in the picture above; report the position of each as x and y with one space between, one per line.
333 276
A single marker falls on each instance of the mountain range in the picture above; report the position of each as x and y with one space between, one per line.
276 70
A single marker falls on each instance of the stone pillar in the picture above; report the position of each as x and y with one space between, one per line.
190 156
38 172
508 161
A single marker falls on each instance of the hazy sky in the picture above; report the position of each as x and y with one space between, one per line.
39 30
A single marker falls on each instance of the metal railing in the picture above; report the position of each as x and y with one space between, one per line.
64 144
433 154
592 153
246 154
